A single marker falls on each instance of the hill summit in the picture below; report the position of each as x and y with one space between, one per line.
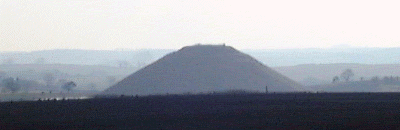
204 68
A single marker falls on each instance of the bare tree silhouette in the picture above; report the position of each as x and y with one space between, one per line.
347 74
69 86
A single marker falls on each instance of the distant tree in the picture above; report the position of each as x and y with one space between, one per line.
11 84
335 79
69 86
375 79
386 79
361 78
347 74
392 79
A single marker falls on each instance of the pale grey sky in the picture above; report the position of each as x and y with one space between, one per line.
27 25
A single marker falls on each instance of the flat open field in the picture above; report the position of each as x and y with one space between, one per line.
36 96
250 111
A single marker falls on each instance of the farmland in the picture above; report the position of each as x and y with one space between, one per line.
206 111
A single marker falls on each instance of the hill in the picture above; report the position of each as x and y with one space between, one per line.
134 58
204 68
316 74
293 57
307 74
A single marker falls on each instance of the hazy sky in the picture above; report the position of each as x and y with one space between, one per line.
109 24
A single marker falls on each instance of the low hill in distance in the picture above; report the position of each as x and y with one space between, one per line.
89 67
134 58
317 74
387 84
204 68
293 57
20 70
49 77
271 57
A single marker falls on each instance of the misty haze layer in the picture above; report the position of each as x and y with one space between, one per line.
274 58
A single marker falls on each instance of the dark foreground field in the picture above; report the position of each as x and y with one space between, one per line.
252 111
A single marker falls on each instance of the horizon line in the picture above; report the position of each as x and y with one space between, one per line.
140 49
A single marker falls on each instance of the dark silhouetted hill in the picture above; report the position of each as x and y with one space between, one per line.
204 68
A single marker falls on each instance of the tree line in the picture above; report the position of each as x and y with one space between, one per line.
347 74
15 84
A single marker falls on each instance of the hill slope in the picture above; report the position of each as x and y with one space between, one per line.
203 68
